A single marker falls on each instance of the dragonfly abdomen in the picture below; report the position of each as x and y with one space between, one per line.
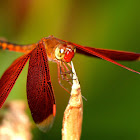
15 47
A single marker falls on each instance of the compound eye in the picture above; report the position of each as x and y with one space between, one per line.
69 55
59 53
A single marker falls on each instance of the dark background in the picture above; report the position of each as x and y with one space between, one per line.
112 109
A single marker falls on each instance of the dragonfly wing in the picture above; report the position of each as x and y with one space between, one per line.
112 54
90 51
40 94
10 76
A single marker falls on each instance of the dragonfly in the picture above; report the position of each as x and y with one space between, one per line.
40 94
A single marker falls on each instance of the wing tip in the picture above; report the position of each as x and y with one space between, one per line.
46 124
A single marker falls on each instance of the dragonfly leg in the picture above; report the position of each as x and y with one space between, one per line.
64 73
68 70
59 80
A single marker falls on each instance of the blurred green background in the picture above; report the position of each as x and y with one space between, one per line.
112 109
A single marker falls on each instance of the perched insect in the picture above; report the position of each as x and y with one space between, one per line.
40 93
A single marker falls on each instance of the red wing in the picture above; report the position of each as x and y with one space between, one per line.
93 52
112 54
10 76
39 89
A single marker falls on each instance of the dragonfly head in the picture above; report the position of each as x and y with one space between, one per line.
65 52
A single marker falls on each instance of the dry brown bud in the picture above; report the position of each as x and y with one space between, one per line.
73 115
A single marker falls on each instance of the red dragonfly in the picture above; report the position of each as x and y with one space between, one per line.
40 93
